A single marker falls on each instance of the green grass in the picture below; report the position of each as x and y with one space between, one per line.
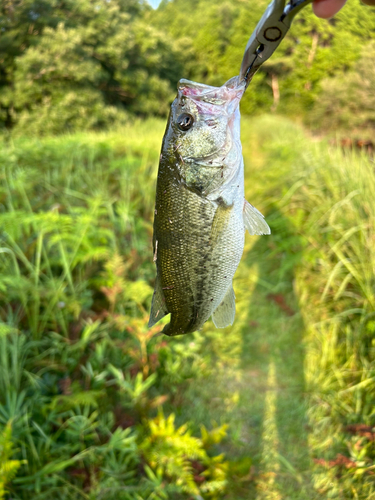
80 382
82 379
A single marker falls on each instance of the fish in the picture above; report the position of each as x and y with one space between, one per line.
200 213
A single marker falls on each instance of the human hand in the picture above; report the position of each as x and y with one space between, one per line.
328 8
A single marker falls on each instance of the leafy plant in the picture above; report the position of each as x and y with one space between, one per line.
80 372
183 459
8 467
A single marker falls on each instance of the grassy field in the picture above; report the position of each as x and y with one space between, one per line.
92 405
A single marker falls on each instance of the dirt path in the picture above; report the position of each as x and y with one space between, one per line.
258 382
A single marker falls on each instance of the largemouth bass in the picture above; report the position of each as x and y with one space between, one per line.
200 210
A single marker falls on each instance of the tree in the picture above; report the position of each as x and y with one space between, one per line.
313 49
82 64
66 64
348 101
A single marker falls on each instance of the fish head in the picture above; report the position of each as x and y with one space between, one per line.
204 119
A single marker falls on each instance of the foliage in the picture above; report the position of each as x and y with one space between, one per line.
327 199
294 375
8 467
80 372
336 287
82 378
174 453
72 66
348 103
314 49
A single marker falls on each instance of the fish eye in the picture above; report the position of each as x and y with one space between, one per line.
185 121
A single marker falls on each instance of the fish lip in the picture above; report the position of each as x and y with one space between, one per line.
231 92
206 158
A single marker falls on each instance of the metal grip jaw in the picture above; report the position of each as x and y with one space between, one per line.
270 30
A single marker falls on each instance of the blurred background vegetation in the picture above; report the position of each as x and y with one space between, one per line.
67 65
92 404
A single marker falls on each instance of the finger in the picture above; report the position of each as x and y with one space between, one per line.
328 8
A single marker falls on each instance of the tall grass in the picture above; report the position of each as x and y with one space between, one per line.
69 206
80 377
327 196
336 282
83 380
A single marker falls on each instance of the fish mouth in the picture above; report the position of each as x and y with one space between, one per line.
213 100
214 159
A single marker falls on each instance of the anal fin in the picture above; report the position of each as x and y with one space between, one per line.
224 314
254 221
158 307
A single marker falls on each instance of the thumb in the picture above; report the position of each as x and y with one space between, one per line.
327 8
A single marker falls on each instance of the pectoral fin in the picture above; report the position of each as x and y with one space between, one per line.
254 221
158 307
224 314
220 222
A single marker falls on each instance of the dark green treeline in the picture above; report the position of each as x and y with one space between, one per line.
89 64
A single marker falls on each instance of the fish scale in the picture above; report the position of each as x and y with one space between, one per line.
183 249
